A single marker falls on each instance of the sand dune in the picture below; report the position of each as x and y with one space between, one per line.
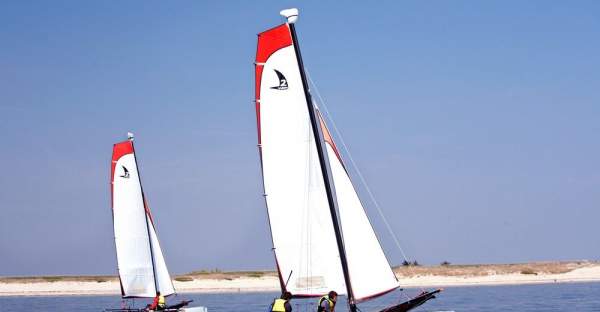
439 276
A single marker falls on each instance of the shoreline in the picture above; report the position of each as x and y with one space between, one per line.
247 282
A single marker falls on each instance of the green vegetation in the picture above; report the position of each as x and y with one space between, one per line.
204 272
218 274
528 271
184 278
256 274
408 263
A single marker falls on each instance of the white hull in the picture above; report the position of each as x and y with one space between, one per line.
190 309
194 309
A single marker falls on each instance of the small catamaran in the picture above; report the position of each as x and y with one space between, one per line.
322 237
141 264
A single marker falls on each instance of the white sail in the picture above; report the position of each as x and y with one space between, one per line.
165 284
135 238
303 236
370 272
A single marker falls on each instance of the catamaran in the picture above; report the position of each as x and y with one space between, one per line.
141 264
322 237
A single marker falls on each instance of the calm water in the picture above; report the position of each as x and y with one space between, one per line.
551 297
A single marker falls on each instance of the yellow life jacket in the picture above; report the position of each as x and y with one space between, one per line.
331 304
161 302
279 305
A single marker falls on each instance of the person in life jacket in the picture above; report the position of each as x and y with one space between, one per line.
283 303
327 303
159 303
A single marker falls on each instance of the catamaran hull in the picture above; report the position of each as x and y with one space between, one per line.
192 309
413 303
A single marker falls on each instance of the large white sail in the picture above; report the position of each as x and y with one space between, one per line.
370 272
135 237
303 236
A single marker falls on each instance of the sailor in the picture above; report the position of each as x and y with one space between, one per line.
159 303
327 303
283 303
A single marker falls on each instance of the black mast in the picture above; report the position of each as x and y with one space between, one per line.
325 170
146 217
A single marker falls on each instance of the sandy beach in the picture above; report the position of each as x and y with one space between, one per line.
214 282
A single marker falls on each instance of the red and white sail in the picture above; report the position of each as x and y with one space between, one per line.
303 236
299 214
142 268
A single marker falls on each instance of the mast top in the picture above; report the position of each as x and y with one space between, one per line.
290 14
130 136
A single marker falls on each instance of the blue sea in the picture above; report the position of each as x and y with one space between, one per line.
524 298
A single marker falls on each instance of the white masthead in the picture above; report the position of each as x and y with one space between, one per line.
290 14
130 136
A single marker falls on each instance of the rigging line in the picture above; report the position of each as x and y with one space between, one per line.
306 214
362 179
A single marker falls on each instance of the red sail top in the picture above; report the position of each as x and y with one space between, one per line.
269 42
119 150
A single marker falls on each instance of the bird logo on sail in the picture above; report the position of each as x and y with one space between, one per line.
283 85
125 173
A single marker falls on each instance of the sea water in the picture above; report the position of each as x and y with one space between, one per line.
578 297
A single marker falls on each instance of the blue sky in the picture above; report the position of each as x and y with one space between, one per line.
475 124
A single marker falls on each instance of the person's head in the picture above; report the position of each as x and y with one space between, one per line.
158 293
286 295
332 295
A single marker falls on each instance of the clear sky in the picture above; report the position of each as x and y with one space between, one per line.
475 124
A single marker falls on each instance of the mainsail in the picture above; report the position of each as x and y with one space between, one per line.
303 236
302 181
142 268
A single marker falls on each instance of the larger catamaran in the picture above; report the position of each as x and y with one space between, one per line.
142 268
322 237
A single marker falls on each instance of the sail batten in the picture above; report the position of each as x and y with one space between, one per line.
142 271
